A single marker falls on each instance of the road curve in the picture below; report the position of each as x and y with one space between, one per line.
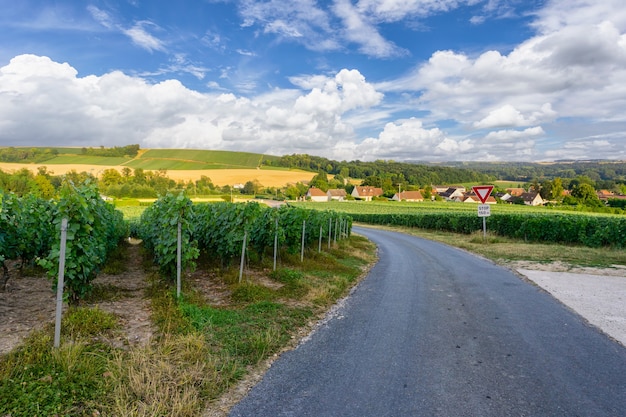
435 331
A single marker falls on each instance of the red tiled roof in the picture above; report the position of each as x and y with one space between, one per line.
367 191
316 192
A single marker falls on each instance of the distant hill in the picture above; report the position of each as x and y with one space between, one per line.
148 159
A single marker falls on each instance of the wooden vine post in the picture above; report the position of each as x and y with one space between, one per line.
60 283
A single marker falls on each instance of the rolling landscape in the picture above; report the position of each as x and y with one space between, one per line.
223 167
205 311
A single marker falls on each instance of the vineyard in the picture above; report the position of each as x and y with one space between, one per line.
30 232
199 349
223 231
521 222
204 347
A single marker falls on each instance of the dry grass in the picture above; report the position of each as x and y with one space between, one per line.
168 378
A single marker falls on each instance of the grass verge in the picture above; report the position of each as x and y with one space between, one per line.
200 350
501 249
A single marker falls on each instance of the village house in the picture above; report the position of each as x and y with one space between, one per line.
515 192
315 194
532 199
408 196
504 196
473 198
604 195
338 194
437 189
452 193
366 192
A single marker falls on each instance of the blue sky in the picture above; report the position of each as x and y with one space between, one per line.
426 80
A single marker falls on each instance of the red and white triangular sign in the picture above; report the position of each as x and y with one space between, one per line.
483 192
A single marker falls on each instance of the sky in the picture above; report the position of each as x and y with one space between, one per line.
402 80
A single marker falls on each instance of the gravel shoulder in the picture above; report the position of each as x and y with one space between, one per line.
596 294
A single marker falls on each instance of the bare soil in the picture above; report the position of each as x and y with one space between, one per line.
29 303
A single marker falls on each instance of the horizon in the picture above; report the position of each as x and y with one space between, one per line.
415 162
435 82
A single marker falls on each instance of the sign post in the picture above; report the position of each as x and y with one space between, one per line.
484 210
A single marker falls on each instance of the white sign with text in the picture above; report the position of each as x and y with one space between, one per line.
484 210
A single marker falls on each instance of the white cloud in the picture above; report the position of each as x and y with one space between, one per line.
406 139
513 135
573 69
509 116
138 32
116 109
297 21
359 30
141 37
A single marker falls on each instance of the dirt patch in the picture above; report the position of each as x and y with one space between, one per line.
29 303
614 271
132 308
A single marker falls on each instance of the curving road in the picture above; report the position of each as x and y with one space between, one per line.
435 331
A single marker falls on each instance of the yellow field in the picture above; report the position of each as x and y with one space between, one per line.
221 177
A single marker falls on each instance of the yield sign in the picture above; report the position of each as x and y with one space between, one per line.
483 192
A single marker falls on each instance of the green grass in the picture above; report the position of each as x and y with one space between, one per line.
169 159
131 212
87 160
402 207
184 159
502 250
38 380
157 164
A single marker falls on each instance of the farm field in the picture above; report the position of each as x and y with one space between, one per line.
396 207
267 177
223 167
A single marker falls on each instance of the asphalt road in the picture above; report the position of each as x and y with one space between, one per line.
435 331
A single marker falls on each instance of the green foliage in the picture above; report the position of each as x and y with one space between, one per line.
220 228
26 154
26 229
94 230
119 151
393 172
158 228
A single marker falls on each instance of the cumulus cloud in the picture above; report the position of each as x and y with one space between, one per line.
509 116
117 109
407 139
574 68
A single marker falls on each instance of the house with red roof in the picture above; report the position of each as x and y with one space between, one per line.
366 192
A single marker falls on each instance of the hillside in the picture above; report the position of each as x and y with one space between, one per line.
223 167
149 159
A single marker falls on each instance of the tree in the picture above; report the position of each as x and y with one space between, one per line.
557 189
320 181
546 190
111 177
45 187
586 195
248 188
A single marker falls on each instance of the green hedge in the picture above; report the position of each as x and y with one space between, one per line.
592 231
